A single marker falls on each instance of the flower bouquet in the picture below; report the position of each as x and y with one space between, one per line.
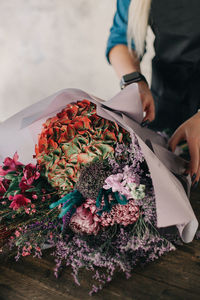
93 193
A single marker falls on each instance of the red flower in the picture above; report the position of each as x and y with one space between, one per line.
30 173
10 164
4 184
2 188
23 185
18 201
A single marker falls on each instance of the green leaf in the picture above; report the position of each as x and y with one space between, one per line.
10 175
13 187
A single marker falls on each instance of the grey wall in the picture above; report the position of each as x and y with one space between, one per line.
48 45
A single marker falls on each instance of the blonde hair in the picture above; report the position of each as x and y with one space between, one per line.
138 18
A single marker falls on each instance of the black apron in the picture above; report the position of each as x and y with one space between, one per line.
176 65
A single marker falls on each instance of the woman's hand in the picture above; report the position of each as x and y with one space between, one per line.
190 131
125 62
147 102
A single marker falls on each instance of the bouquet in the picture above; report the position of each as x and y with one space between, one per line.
89 197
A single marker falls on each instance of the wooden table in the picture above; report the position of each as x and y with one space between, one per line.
174 276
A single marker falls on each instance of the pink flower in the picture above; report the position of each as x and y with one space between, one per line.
24 253
30 173
114 182
23 185
10 164
27 211
84 221
17 233
117 184
121 214
4 185
18 201
26 250
2 189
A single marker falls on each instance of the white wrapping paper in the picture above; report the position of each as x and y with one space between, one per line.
20 132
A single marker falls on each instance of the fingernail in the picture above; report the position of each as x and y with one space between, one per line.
145 123
195 185
193 177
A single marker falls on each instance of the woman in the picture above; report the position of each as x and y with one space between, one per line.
173 100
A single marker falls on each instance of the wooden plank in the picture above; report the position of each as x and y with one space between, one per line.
25 287
137 287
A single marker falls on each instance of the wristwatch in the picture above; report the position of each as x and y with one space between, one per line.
130 78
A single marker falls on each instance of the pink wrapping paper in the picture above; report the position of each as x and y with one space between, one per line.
20 132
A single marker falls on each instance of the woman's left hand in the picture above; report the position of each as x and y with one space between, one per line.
190 132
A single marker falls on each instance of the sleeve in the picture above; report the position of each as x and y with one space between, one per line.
118 31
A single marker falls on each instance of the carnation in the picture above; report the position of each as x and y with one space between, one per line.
121 214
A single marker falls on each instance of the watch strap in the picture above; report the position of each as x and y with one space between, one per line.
131 78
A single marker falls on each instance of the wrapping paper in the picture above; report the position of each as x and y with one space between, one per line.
20 133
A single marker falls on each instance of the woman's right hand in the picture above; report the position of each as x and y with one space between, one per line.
147 102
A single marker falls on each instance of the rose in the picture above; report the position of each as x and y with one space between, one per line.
18 201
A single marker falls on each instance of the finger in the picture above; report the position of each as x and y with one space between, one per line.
196 181
150 112
194 154
175 139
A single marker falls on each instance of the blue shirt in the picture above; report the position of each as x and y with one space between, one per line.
118 31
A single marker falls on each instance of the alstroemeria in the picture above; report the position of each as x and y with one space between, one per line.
2 188
10 164
117 184
114 182
126 185
23 185
30 173
18 201
4 184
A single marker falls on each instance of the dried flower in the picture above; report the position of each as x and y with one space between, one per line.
85 220
92 178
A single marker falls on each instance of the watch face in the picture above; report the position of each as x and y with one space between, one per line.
132 77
